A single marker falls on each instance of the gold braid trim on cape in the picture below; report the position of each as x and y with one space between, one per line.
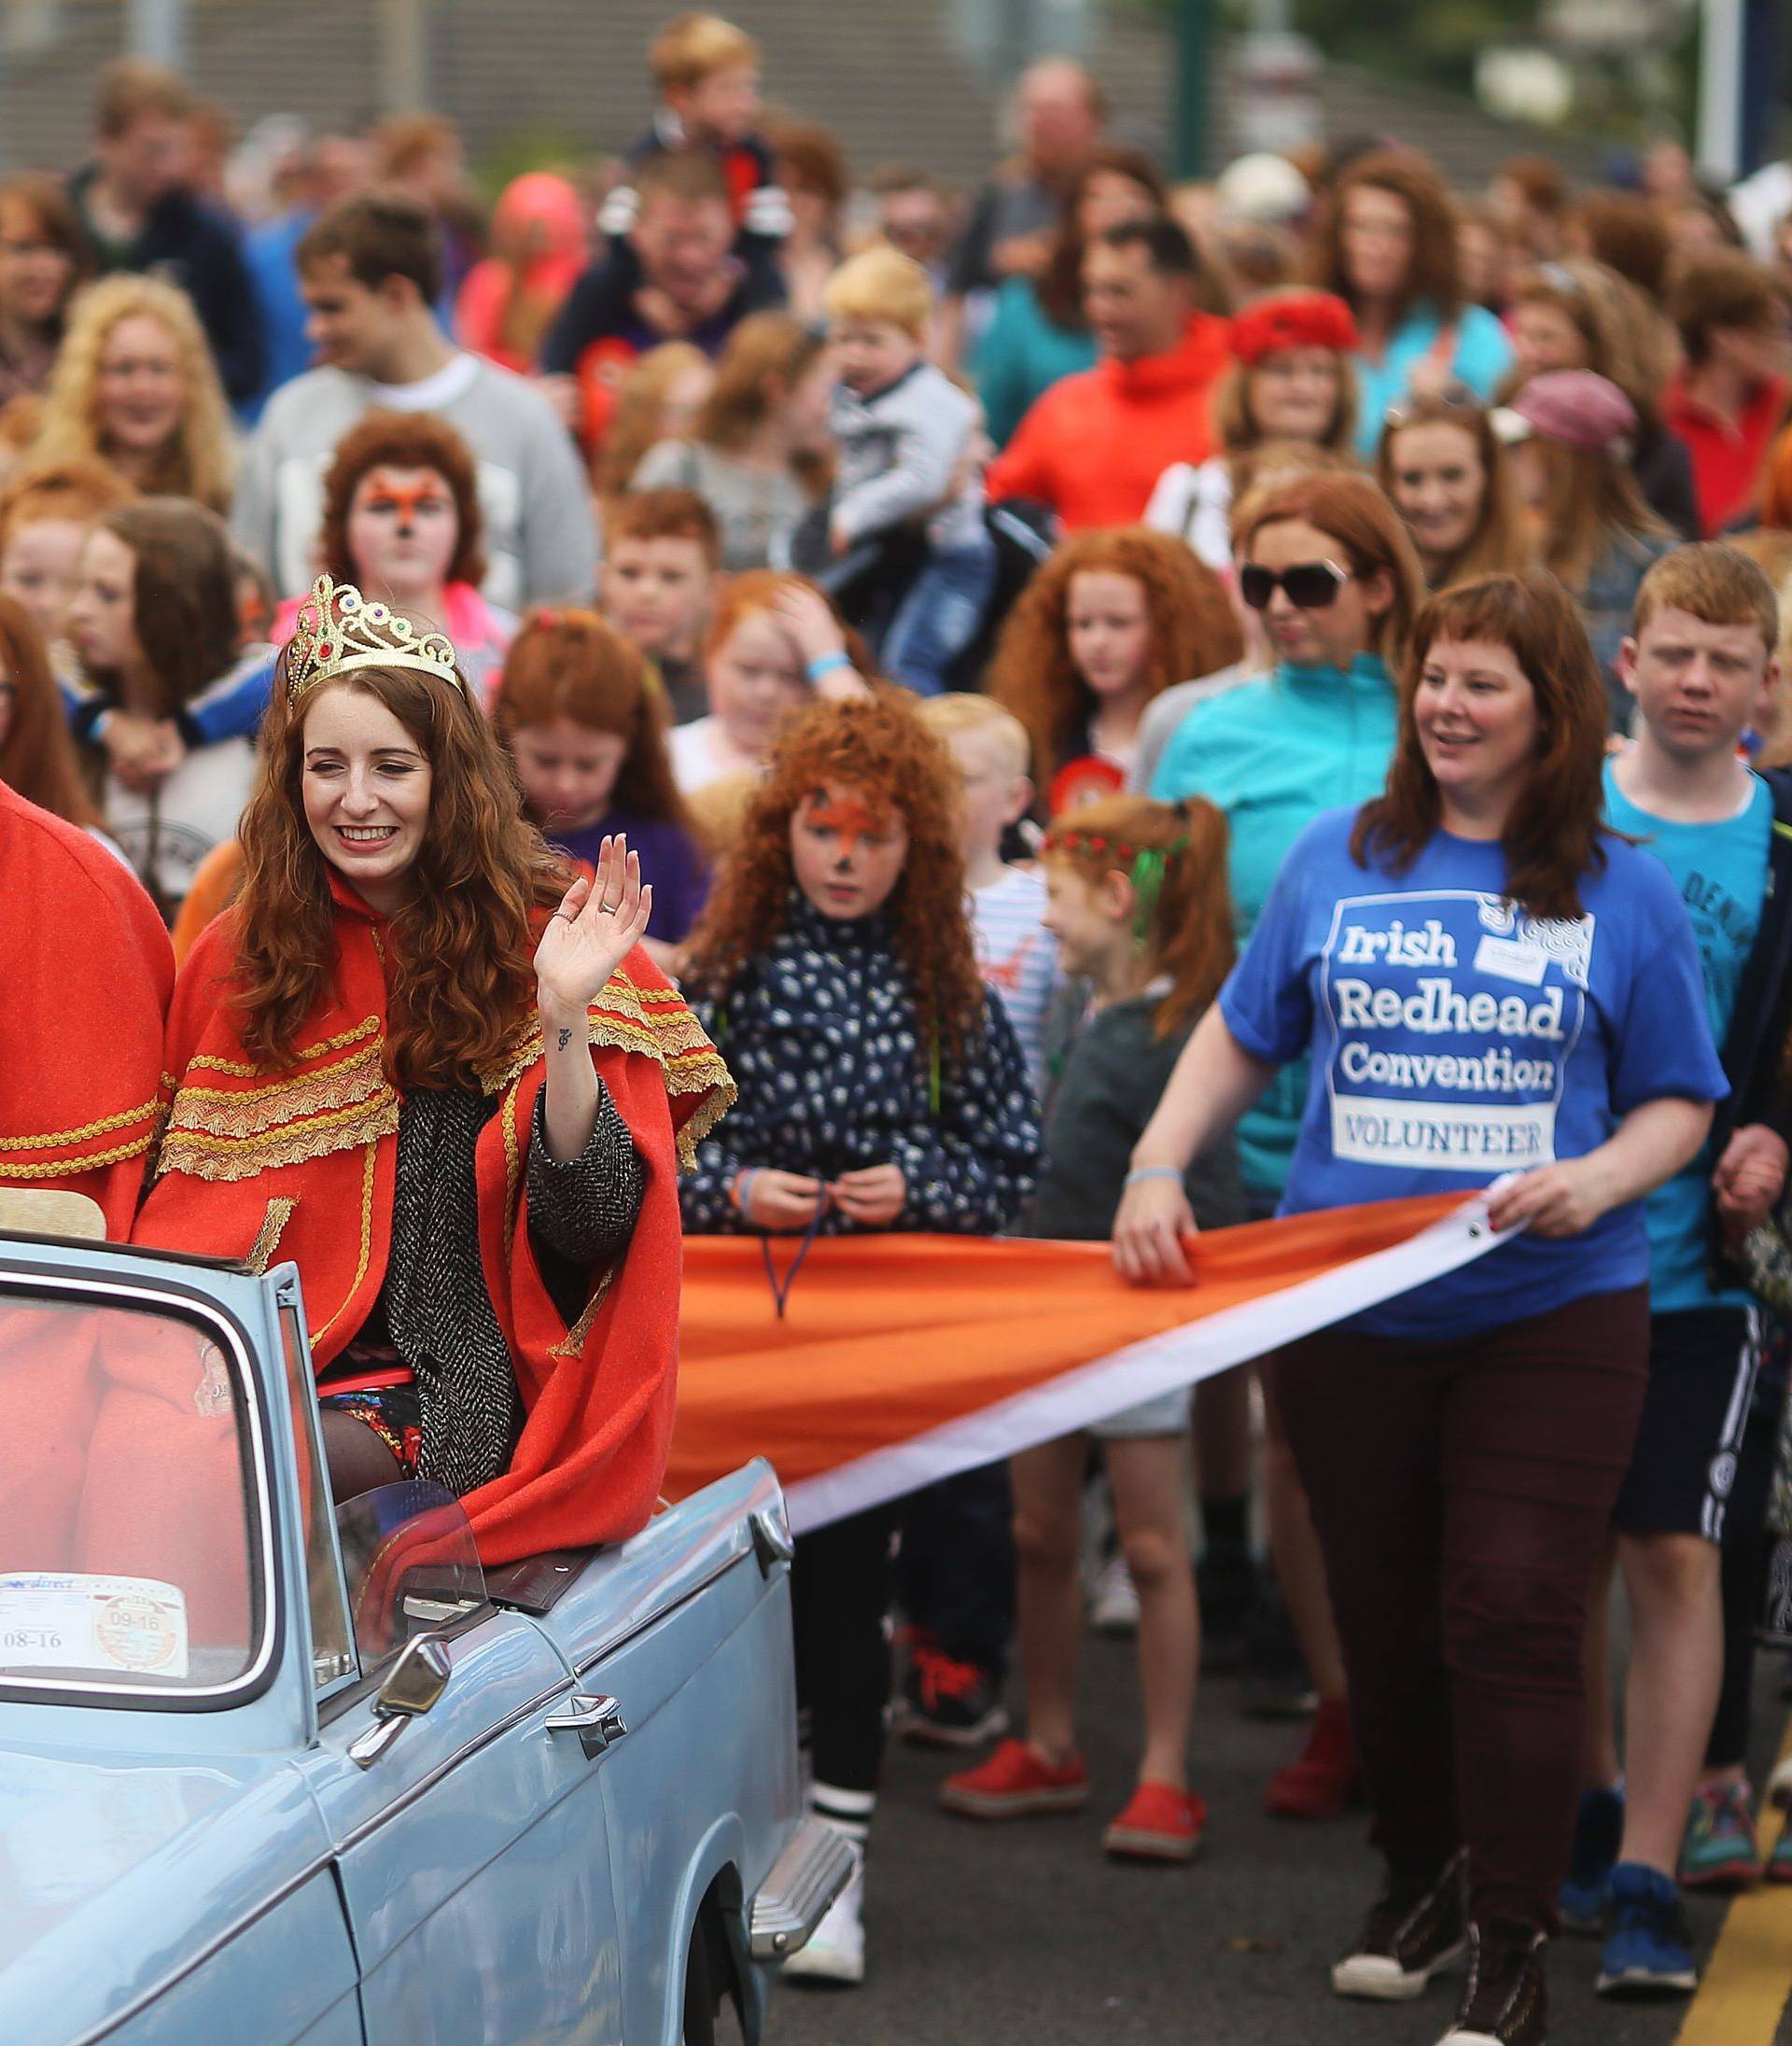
55 1153
655 1022
268 1121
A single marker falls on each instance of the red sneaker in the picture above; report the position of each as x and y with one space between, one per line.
1015 1782
1323 1781
1159 1824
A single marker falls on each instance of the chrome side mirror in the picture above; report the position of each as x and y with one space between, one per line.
413 1685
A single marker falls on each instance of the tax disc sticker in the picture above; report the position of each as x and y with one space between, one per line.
100 1624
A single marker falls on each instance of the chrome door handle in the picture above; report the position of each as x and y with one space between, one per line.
595 1717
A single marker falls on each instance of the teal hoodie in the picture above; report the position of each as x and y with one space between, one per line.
1272 754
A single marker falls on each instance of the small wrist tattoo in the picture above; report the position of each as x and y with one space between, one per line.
565 1039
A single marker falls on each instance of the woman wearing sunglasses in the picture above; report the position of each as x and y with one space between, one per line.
1485 984
1325 561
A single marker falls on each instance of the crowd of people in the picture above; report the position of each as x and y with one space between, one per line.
1113 709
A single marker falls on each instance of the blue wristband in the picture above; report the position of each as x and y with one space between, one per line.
825 663
1153 1172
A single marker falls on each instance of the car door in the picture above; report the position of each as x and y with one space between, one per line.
474 1853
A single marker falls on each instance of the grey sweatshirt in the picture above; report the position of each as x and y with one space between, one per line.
540 541
897 450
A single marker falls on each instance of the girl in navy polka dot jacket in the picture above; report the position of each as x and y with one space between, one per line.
880 1089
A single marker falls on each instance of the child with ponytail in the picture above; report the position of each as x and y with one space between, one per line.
1139 903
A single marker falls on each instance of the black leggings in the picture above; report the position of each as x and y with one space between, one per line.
1744 1556
840 1593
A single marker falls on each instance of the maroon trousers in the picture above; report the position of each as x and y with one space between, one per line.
1462 1491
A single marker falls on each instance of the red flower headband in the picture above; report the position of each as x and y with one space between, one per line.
1292 319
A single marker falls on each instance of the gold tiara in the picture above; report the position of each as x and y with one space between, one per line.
337 629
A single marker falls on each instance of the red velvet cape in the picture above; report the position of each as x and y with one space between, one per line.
85 974
299 1163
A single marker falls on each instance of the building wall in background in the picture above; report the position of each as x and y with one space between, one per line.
888 75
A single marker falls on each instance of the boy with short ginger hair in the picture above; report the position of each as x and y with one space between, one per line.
1700 666
662 557
905 436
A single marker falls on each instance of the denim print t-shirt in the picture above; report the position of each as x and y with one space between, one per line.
1455 1038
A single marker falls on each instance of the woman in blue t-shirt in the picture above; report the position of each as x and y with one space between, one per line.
1327 563
1489 986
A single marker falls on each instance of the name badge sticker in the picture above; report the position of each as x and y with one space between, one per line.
1512 958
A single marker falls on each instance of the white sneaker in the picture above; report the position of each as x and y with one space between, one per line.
835 1952
1113 1603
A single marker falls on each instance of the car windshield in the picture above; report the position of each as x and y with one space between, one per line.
130 1529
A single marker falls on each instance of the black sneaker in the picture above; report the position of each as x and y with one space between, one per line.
947 1703
1275 1685
1230 1585
1414 1929
1506 2003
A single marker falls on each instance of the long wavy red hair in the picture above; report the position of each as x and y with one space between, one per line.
883 748
1556 833
1194 631
459 953
37 757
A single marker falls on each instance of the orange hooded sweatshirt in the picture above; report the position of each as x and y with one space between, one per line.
1094 445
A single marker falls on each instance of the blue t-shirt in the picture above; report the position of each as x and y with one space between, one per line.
1455 1038
1720 870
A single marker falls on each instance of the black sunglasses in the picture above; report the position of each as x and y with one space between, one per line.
1309 585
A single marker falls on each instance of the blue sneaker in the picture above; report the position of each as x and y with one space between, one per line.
1599 1832
1649 1953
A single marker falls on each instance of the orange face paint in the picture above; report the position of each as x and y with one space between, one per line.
849 816
387 493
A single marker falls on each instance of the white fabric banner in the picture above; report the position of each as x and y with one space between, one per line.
1182 1357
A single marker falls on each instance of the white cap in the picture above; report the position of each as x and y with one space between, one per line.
1263 187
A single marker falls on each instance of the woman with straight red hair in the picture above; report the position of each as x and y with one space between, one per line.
585 727
1385 242
1485 988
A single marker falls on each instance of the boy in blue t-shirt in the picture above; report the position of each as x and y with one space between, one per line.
1700 666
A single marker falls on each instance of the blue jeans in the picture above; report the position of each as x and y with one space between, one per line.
940 615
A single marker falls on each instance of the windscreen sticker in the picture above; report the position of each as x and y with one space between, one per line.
136 1626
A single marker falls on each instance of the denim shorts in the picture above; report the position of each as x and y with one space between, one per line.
1165 1414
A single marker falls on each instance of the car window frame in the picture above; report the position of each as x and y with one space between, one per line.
324 1571
267 1587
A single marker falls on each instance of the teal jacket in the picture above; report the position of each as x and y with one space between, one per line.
1021 355
1272 754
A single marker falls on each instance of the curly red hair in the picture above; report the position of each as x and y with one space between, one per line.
402 439
459 952
883 748
1194 631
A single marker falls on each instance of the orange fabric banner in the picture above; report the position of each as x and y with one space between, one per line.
903 1358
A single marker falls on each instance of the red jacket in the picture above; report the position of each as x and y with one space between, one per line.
1726 459
1094 445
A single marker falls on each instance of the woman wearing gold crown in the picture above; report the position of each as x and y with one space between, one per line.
451 1089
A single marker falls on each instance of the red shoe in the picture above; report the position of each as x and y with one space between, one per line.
1159 1824
1323 1781
1015 1782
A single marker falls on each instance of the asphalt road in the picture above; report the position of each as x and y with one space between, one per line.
1023 1934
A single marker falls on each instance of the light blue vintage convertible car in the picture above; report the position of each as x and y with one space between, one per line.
338 1786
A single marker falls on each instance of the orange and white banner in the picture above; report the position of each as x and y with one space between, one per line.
903 1359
